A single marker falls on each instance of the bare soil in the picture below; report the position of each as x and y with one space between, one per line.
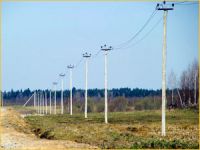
16 134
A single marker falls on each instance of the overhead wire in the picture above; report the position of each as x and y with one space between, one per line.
146 35
78 63
138 32
185 3
126 44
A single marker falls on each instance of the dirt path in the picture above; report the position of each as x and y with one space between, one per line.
15 135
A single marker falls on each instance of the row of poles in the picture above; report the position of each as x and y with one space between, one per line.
42 97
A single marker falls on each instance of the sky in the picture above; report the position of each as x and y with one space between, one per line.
39 40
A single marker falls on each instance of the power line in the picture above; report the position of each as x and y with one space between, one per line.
178 2
186 3
139 31
78 63
193 3
97 53
141 39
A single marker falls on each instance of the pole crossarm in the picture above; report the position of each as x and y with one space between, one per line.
106 48
164 7
86 55
70 66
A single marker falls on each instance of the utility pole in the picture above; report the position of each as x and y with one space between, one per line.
34 99
86 56
62 87
50 101
106 49
195 87
46 101
38 102
39 96
164 8
55 84
43 98
70 67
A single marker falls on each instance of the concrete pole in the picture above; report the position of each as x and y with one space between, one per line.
34 99
195 88
106 49
43 103
39 95
55 99
106 86
86 85
62 95
50 101
46 102
70 91
164 74
38 101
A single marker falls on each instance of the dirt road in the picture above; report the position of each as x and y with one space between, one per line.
15 134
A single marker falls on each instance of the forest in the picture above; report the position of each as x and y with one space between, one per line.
181 92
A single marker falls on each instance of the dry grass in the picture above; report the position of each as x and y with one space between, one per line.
138 129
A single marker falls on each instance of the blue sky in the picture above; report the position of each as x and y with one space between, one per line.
39 40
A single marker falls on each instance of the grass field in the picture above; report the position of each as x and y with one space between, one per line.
137 129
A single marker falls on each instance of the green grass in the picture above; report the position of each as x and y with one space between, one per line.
137 129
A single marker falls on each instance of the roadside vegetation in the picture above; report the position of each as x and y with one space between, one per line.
136 129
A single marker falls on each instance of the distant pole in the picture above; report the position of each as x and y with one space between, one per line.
50 101
195 87
38 101
106 49
43 102
86 56
164 8
55 84
70 67
46 101
62 87
34 99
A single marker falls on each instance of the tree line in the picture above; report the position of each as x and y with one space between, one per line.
125 92
182 92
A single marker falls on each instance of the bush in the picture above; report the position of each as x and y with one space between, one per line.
118 104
